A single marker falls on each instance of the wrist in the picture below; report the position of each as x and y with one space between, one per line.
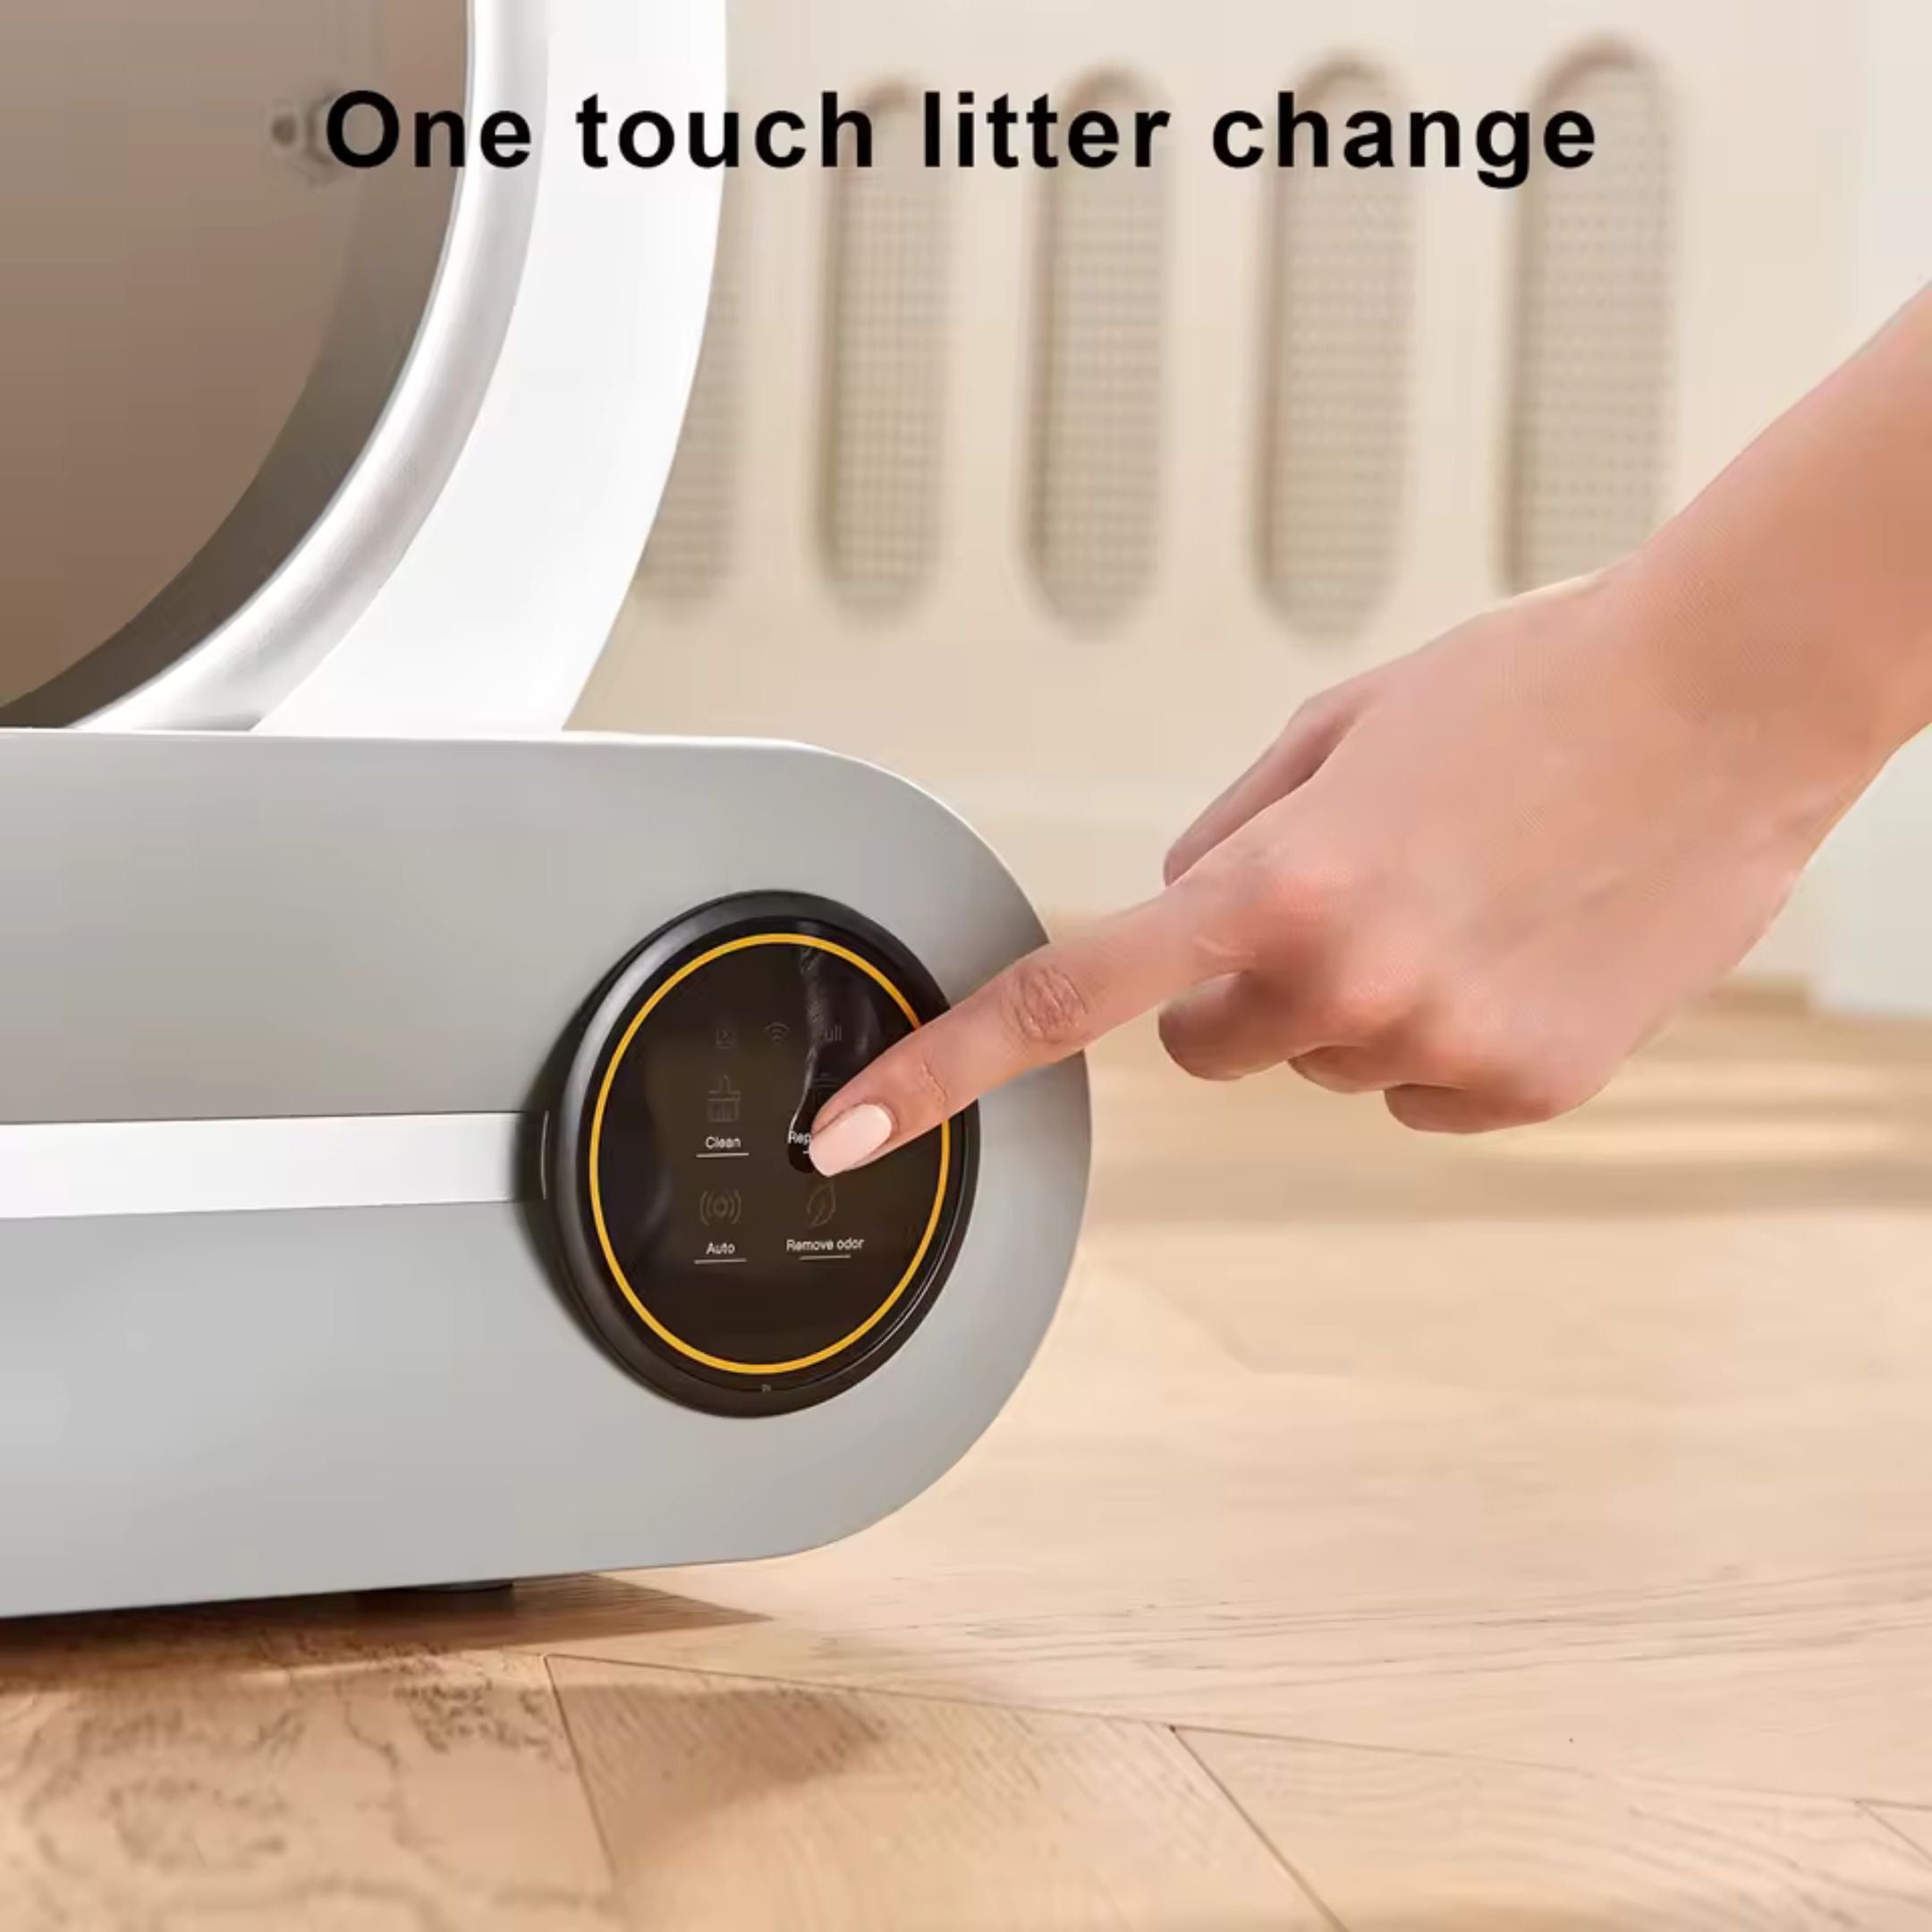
1817 666
1799 585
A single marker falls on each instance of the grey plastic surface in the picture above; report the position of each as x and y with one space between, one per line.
220 1405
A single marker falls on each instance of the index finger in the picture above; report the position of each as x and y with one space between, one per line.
1043 1008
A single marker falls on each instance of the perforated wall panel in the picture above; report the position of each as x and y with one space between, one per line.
1593 322
1337 376
1094 520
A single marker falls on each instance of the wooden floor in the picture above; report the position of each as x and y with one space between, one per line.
1532 1532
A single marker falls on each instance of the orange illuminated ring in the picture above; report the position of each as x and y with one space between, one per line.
597 1136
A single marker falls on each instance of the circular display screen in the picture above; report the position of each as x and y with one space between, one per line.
716 1261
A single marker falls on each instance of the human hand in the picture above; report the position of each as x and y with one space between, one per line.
1474 879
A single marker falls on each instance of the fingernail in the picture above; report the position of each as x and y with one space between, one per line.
851 1137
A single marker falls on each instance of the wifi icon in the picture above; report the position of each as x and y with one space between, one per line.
777 1033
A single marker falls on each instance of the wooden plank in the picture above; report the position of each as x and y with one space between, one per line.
731 1802
1611 1458
1389 1840
357 1796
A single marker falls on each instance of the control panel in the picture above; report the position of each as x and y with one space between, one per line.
703 1248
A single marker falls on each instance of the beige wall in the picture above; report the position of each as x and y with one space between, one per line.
1080 754
1873 911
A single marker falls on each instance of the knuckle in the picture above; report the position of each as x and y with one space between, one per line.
1314 717
1188 1047
1247 899
1369 1004
1420 1111
1219 915
1469 1048
928 1094
1454 1049
1044 1006
1315 891
1177 1038
1373 985
1530 1092
1469 1035
1324 1069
